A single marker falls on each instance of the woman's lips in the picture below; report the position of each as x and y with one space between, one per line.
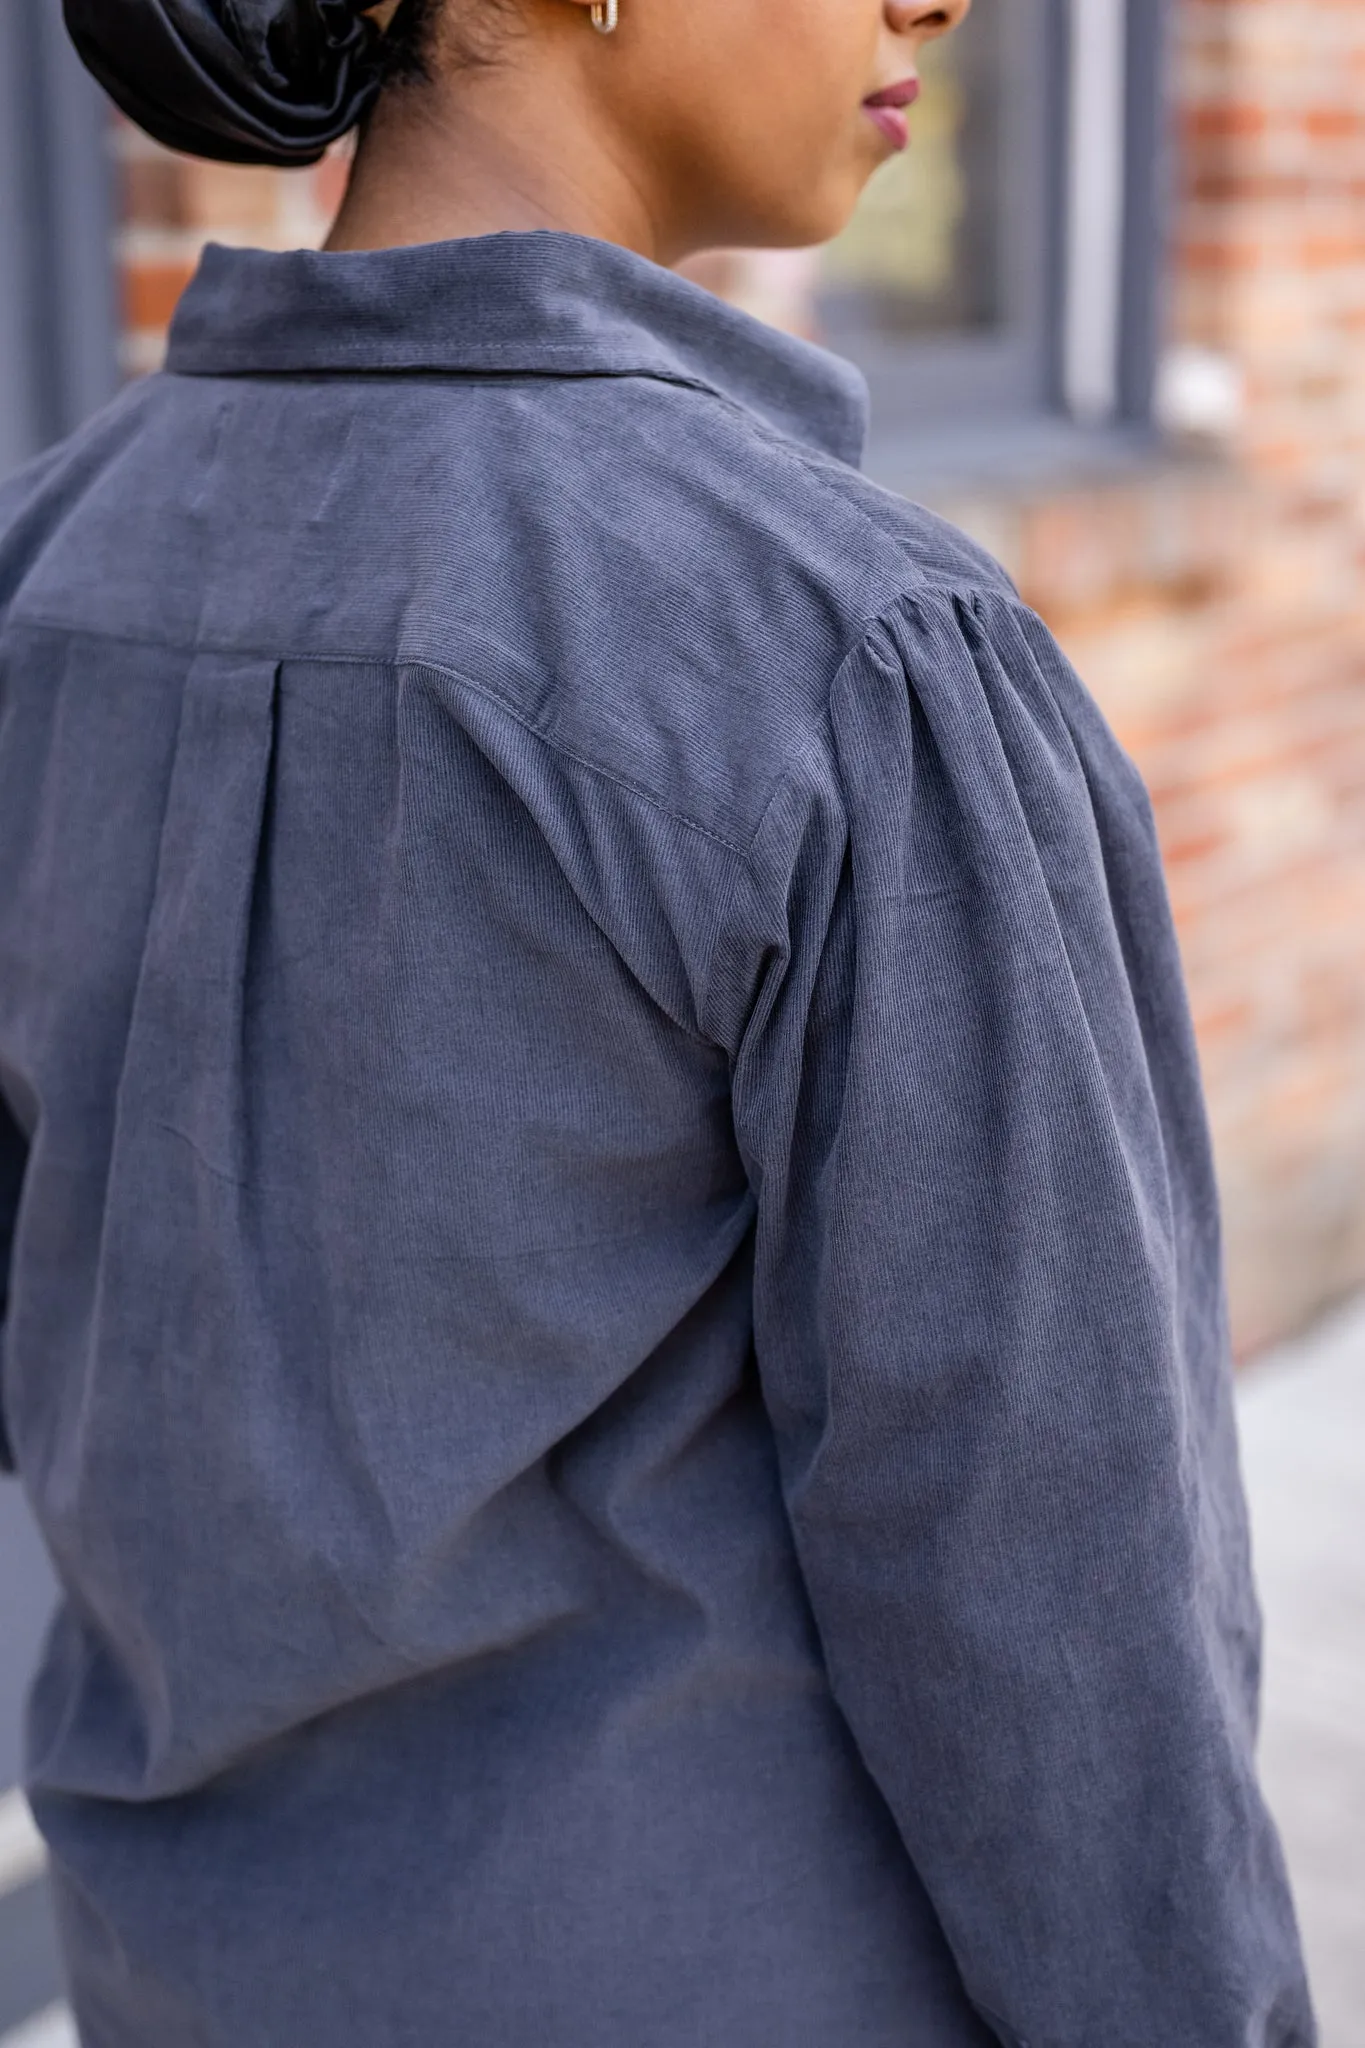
885 108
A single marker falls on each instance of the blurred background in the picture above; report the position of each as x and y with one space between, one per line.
1111 306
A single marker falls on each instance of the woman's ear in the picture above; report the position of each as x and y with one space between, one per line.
603 14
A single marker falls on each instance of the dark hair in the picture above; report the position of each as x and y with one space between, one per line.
405 49
474 35
248 81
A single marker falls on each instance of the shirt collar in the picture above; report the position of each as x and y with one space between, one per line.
540 303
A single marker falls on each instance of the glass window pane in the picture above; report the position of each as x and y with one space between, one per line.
923 253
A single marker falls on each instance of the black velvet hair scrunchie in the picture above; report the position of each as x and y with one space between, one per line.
243 81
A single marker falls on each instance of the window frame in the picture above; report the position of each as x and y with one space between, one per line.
1021 391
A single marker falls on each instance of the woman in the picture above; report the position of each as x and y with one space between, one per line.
614 1317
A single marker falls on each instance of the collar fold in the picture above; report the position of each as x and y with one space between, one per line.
540 303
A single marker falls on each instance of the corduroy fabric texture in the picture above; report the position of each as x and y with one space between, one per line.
614 1316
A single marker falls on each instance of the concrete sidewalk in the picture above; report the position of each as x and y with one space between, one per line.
1303 1446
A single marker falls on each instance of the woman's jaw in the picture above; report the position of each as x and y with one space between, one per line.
724 124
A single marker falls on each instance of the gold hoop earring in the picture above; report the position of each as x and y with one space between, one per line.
603 13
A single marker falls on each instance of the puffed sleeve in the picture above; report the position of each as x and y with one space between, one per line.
991 1336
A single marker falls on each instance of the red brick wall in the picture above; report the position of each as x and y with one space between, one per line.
1215 603
172 205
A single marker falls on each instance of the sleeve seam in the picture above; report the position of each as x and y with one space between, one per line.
948 596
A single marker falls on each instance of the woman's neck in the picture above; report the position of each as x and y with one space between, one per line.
461 157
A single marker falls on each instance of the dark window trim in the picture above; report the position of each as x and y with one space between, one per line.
919 382
58 330
931 398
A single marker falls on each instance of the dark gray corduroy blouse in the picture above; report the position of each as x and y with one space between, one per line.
614 1315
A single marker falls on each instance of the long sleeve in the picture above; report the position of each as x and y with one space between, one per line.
13 1153
991 1335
